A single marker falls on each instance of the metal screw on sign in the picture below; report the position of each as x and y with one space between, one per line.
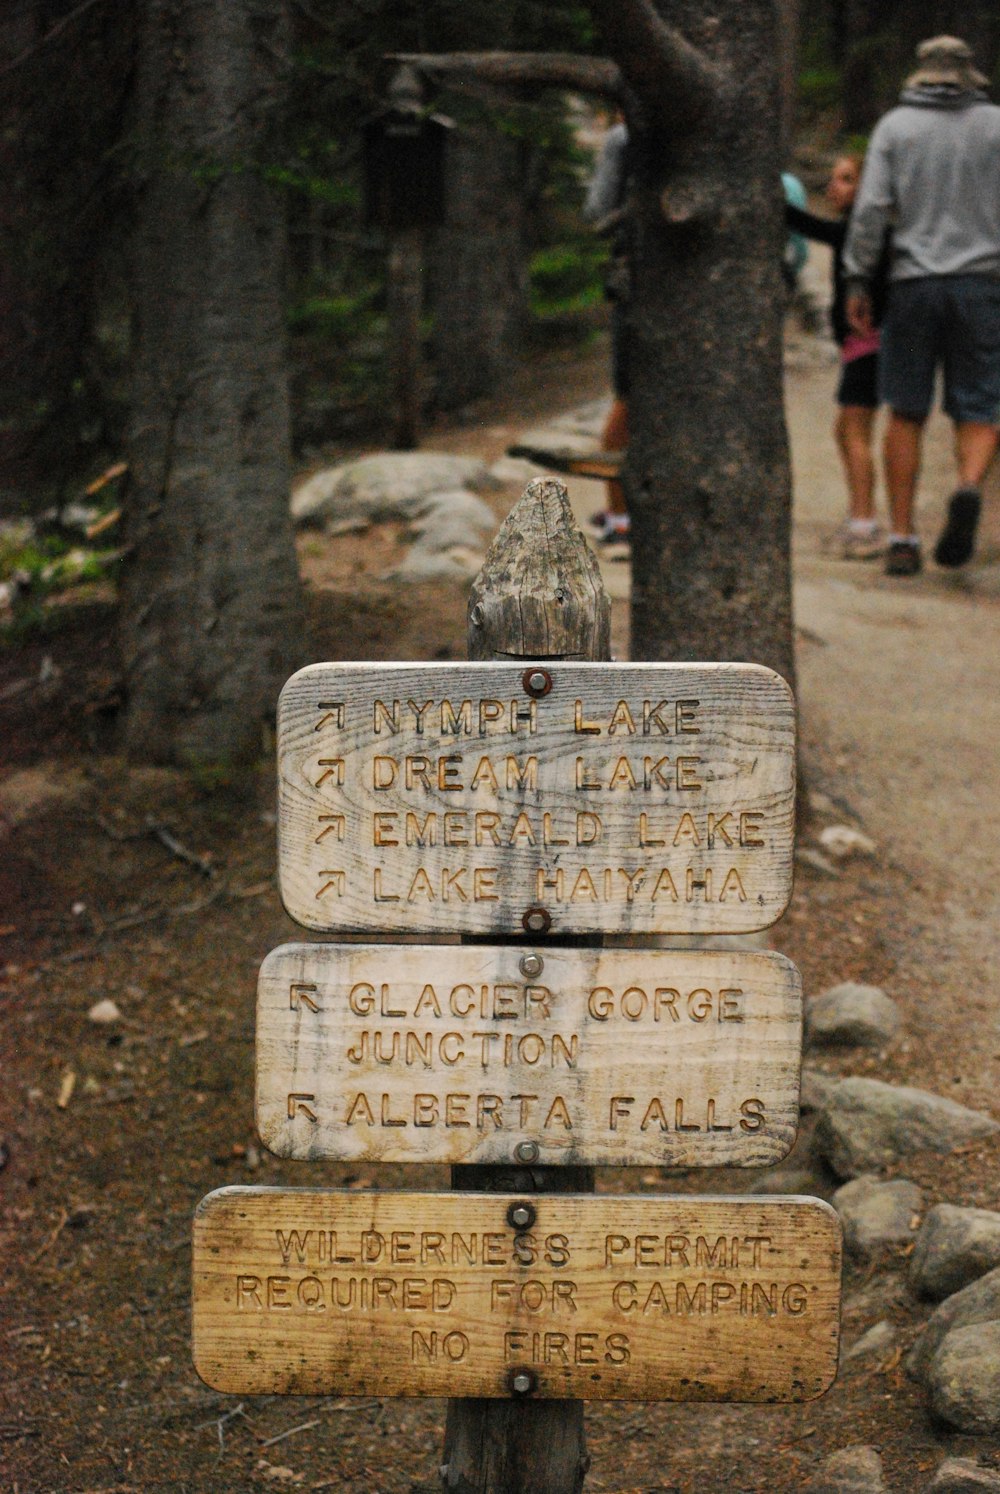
531 965
537 920
522 1382
537 682
521 1215
526 1151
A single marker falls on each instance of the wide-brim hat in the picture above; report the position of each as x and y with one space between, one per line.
946 59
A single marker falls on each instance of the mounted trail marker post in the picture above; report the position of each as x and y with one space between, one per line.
540 796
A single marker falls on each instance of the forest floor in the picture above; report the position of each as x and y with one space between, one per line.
112 1134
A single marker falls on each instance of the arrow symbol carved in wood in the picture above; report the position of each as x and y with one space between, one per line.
297 1106
298 992
336 882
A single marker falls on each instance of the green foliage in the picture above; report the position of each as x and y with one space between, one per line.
819 89
567 278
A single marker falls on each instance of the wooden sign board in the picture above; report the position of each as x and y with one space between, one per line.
617 1057
490 798
318 1292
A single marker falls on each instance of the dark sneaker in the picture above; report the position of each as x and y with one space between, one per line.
903 559
958 537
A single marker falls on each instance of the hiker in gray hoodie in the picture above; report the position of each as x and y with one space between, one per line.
932 174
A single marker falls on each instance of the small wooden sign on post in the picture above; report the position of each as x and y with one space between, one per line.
572 798
620 1057
654 1299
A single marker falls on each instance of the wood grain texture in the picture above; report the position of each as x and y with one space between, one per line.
614 1057
638 798
687 1299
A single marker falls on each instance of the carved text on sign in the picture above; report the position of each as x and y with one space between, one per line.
673 1299
634 797
423 1053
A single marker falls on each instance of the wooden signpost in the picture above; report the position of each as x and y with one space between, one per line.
646 1298
534 792
621 1057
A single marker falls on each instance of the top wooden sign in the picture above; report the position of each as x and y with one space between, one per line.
571 798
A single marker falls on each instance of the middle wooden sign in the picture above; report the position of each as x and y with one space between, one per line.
497 1054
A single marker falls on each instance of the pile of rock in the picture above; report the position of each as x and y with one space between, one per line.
435 494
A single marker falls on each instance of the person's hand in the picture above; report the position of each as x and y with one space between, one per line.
859 312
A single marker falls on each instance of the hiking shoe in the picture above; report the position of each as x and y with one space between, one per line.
903 559
861 545
958 537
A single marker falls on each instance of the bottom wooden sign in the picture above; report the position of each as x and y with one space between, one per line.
303 1291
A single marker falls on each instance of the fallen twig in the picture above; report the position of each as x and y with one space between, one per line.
303 1426
53 1237
178 848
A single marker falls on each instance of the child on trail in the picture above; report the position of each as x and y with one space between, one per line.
861 535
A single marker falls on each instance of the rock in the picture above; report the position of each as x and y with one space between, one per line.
880 1339
888 1291
977 1303
840 841
809 856
954 1247
423 564
789 1180
516 470
104 1012
866 1125
852 1015
390 485
964 1378
853 1470
877 1216
453 520
963 1476
816 1088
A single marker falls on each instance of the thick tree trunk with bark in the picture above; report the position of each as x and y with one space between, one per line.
477 268
210 605
707 474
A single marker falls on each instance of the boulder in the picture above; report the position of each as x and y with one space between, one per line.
853 1470
389 485
790 1179
816 1089
866 1125
852 1015
455 520
964 1378
880 1339
976 1303
422 563
954 1246
963 1476
878 1216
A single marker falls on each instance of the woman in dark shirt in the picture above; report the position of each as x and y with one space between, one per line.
861 536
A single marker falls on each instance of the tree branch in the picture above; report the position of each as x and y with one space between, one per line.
552 69
673 79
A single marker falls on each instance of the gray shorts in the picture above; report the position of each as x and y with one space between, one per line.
947 320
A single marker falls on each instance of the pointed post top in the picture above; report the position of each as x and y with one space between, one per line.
539 594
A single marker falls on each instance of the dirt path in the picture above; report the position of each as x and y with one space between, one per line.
899 711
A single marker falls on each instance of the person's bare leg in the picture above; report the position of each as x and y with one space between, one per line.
902 467
615 438
853 432
975 448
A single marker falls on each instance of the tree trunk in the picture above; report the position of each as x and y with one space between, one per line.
477 268
210 605
707 472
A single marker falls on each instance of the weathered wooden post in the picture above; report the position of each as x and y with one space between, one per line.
538 798
539 596
404 160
